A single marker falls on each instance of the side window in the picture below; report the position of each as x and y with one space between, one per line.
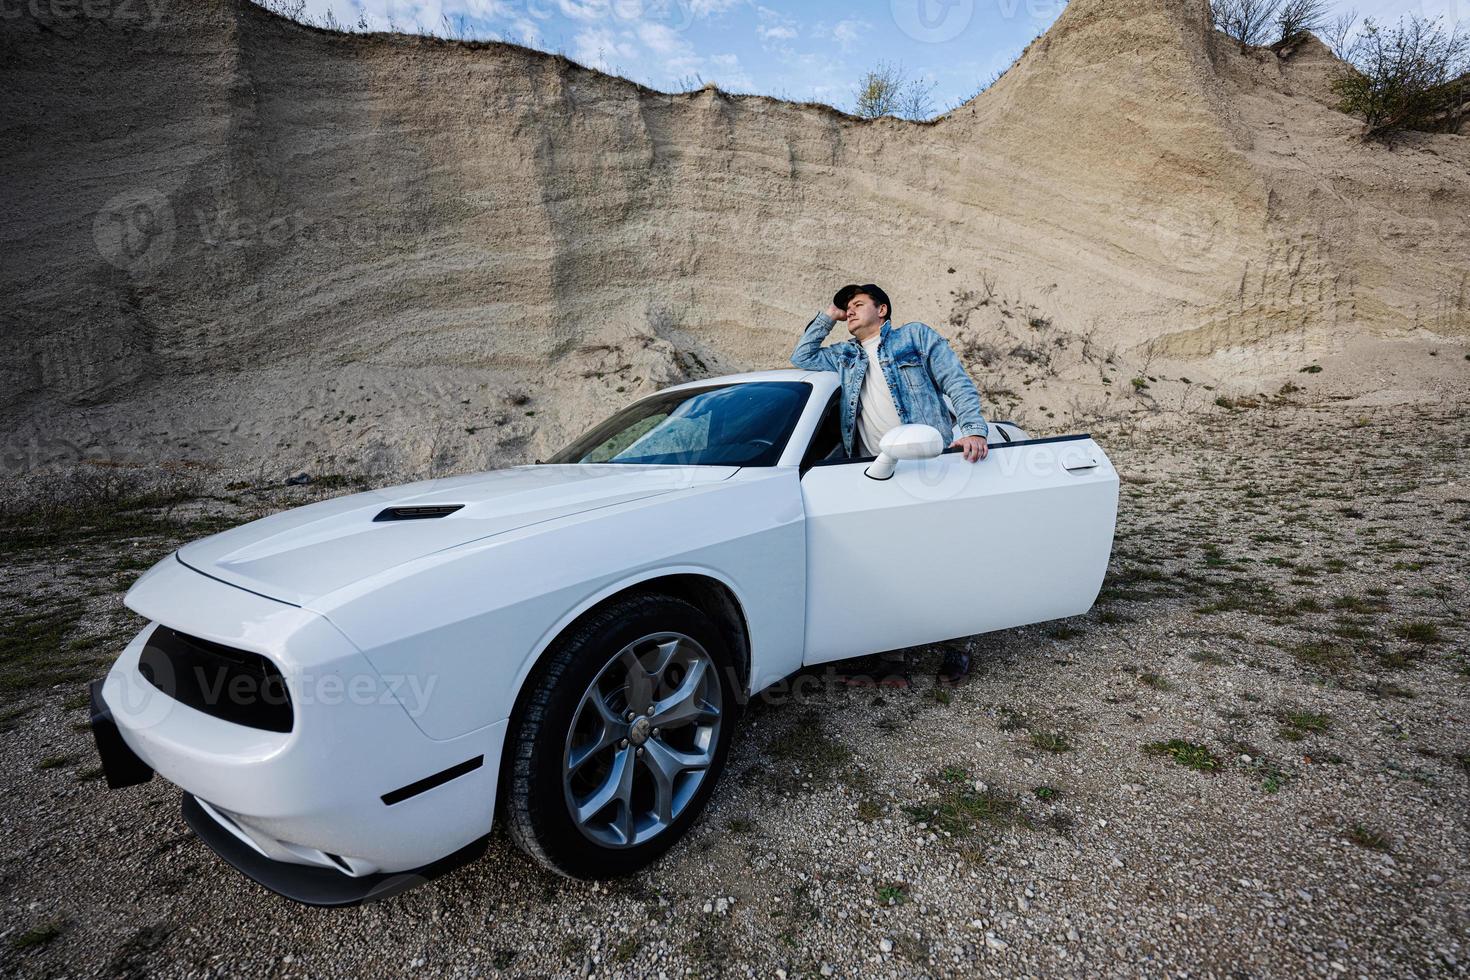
827 439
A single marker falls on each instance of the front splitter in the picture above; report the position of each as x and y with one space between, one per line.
316 886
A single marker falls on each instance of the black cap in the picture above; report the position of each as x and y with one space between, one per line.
871 290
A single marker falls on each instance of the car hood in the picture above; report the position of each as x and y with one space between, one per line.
300 554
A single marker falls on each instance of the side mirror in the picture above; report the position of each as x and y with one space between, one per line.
905 442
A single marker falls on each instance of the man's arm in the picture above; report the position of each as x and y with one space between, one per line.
950 375
809 353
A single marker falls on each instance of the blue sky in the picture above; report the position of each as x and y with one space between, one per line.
798 50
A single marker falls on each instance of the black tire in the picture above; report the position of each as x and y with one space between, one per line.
537 811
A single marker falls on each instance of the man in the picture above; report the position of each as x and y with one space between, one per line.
891 375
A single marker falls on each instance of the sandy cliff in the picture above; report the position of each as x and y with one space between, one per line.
230 237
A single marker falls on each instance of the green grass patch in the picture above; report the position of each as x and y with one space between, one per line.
11 717
1051 741
1419 632
893 893
92 506
808 746
1187 754
1297 725
1010 720
1149 679
37 648
1323 655
961 811
41 935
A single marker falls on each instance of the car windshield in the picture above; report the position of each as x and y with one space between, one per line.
730 425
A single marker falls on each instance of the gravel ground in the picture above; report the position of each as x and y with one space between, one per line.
1250 759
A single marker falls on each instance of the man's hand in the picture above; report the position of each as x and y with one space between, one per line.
835 313
974 447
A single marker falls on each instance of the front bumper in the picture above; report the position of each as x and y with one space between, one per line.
351 804
313 885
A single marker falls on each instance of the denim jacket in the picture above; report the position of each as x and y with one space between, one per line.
920 369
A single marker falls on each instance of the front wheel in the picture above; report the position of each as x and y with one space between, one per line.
622 737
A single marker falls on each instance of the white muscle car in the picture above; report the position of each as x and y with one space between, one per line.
347 691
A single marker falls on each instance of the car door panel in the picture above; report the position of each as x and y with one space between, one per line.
947 548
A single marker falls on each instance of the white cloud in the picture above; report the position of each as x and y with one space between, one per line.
775 31
707 8
726 70
676 57
600 48
848 33
589 10
662 39
524 31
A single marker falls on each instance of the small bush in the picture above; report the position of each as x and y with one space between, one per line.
1410 76
1297 18
1257 22
888 90
1248 21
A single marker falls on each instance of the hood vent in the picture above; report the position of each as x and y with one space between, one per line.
417 513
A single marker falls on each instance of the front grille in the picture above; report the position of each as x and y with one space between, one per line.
233 685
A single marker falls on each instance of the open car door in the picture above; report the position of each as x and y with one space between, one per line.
945 548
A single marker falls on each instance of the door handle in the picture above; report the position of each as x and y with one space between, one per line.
1080 465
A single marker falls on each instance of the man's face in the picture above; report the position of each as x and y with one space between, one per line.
863 313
